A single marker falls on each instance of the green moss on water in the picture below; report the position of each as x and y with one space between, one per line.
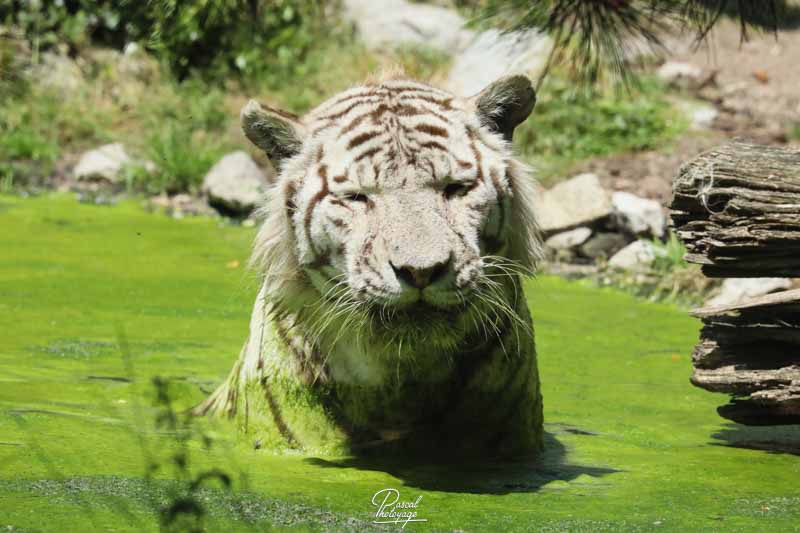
631 445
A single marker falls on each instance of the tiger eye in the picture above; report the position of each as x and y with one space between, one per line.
455 189
356 197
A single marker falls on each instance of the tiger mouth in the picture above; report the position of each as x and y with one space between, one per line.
420 317
422 300
420 313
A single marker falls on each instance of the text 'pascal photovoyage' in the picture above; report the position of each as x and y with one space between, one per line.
393 510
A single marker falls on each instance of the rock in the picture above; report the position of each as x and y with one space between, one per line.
493 54
570 270
569 239
57 72
701 115
683 75
737 290
398 22
181 204
131 66
235 184
578 201
105 163
639 215
636 256
603 245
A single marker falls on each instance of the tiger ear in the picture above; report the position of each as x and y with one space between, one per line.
505 104
278 133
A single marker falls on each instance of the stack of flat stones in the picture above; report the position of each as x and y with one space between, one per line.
737 209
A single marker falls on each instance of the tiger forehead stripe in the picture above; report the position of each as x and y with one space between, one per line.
361 138
406 86
346 110
367 153
354 123
346 97
435 145
317 198
388 87
444 103
436 131
401 110
402 98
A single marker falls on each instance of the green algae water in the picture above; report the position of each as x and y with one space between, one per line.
96 301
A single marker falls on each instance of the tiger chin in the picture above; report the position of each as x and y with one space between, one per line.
391 317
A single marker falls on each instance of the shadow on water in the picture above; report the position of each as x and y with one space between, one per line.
770 439
485 477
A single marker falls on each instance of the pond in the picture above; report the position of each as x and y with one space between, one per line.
96 301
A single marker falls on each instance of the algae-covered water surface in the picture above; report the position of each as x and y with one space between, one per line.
96 302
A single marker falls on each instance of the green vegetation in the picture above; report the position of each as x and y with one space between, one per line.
669 279
175 102
569 125
794 132
184 126
669 254
213 39
181 126
34 127
632 446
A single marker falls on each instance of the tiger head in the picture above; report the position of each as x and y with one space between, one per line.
399 204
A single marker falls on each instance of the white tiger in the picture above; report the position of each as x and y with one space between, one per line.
391 314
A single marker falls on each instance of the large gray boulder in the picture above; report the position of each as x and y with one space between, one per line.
236 184
398 22
576 202
104 163
639 216
493 54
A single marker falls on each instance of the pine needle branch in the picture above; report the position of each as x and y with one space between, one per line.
595 39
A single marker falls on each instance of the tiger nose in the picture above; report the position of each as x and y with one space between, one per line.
421 277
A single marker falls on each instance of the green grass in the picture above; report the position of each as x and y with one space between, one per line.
568 126
184 128
36 124
632 446
177 126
